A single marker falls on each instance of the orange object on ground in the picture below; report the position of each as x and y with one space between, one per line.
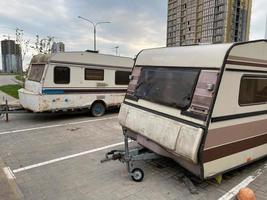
246 194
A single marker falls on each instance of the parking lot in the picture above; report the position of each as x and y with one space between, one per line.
58 157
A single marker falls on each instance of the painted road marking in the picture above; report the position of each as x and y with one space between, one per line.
65 158
55 125
233 192
9 173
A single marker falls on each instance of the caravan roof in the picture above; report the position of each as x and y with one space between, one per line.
84 58
203 56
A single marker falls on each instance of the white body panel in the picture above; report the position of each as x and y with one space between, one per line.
46 95
178 138
227 104
41 103
229 162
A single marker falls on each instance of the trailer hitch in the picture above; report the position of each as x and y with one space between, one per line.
4 110
113 155
128 156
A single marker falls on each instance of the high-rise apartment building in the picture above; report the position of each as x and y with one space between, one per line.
58 47
11 56
208 21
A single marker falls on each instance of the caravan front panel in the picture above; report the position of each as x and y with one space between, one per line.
207 112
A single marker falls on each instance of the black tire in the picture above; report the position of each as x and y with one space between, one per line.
98 109
137 174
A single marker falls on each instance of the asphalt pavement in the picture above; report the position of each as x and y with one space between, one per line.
58 157
7 79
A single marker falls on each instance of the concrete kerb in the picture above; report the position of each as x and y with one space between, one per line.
17 81
9 188
4 96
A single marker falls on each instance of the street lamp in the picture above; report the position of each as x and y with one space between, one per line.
95 25
116 48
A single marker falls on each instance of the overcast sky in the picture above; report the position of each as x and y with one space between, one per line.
135 24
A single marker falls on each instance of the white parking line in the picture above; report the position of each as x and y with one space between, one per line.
233 192
65 158
55 125
9 173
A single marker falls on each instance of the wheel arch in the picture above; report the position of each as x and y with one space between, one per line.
99 101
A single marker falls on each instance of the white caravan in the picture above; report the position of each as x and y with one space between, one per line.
75 80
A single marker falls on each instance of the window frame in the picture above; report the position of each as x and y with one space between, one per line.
43 71
126 84
93 69
198 69
250 76
54 75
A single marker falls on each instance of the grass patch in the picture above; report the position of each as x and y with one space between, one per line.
11 90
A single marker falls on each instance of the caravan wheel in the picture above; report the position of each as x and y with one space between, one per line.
98 109
137 174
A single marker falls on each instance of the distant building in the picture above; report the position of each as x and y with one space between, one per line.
58 47
208 21
11 56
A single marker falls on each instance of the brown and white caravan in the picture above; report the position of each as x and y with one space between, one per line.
203 106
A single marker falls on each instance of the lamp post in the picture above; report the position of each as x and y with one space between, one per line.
116 48
95 25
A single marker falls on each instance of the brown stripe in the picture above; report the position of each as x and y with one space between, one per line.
91 64
233 133
95 91
82 91
236 147
88 88
240 58
232 62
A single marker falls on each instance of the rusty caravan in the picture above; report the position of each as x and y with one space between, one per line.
203 106
75 80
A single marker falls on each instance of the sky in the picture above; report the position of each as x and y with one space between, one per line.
135 24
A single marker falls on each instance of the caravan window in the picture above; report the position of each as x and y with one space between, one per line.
36 72
61 75
122 77
253 90
94 74
168 86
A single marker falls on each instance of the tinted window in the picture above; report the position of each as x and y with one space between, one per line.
253 90
61 75
36 73
122 77
94 74
168 86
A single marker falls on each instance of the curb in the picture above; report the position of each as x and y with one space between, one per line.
11 190
17 81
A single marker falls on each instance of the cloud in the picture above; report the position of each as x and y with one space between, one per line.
32 12
135 24
258 19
